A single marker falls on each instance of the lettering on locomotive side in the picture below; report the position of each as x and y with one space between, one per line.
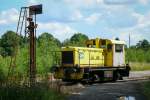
95 58
92 58
81 55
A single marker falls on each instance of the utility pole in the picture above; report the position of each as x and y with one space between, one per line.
129 40
129 49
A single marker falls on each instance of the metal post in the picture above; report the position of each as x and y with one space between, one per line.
31 28
129 49
129 40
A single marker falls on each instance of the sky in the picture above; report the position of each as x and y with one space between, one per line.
95 18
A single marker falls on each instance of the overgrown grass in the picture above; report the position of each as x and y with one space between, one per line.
39 92
139 66
146 89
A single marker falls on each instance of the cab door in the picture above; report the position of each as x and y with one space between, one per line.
118 55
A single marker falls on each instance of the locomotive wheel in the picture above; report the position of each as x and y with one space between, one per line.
120 76
96 78
117 76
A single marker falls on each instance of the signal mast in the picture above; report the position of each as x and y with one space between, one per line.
27 18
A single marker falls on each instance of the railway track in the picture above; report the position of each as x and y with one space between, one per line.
75 88
94 83
134 77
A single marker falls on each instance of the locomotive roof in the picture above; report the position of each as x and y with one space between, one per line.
117 42
82 48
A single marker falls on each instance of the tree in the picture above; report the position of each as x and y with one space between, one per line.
144 44
77 39
46 37
8 42
47 44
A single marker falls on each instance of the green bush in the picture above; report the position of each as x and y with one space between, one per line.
40 92
138 55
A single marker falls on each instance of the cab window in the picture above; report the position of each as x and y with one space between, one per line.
103 44
109 47
118 47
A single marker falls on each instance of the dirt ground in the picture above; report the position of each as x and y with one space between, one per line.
125 90
110 91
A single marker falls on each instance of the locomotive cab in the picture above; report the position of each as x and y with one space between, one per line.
118 53
114 52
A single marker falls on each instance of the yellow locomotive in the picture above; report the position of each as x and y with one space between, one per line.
102 59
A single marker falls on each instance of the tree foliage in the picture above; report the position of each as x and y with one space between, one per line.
8 41
139 52
48 38
144 44
47 44
77 39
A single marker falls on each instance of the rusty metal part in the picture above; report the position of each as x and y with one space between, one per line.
31 29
